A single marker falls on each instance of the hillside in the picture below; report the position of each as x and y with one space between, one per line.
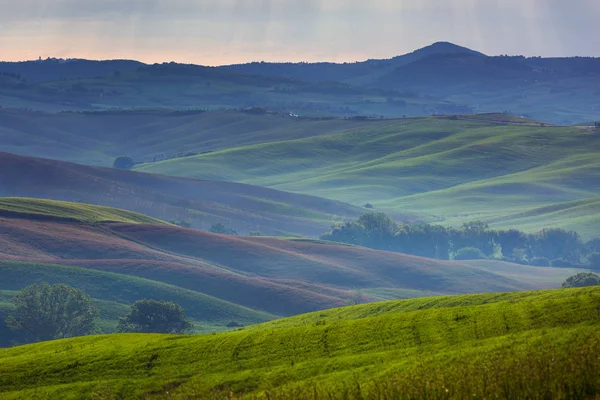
185 87
36 209
282 277
201 203
115 292
515 346
444 169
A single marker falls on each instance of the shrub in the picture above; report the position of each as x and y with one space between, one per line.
540 262
151 316
182 223
123 162
222 230
369 206
47 312
582 279
469 253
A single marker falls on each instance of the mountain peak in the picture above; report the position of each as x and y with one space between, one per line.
444 48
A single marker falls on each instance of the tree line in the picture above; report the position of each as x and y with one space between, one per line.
473 240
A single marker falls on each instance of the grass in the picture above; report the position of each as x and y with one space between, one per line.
437 169
115 290
526 345
60 210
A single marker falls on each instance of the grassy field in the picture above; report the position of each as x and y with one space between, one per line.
526 345
442 170
61 210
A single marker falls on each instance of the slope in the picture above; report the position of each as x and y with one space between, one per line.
443 168
527 345
33 209
277 276
198 202
117 290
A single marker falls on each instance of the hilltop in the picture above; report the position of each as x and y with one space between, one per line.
495 345
200 203
282 277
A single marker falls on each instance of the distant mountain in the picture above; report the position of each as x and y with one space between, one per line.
442 78
57 69
359 72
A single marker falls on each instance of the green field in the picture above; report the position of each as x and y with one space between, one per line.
61 210
437 169
526 345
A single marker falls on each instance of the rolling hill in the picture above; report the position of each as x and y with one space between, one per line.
200 203
282 277
442 78
539 344
451 169
494 168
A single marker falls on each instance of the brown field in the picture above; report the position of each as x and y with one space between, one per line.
202 203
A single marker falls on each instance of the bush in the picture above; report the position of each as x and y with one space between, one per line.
47 312
469 253
561 263
222 230
369 206
182 223
123 162
540 262
150 316
582 279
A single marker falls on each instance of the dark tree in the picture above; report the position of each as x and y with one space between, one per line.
222 230
151 316
47 312
582 279
123 162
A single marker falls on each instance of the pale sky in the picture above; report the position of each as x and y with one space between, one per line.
214 32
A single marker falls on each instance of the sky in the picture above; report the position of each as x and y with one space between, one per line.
217 32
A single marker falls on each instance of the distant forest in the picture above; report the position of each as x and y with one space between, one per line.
474 240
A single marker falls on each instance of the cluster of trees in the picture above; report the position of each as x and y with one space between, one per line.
48 312
473 240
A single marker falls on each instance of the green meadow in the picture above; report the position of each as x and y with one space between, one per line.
511 174
523 345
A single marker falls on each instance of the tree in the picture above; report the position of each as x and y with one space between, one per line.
582 279
47 312
151 316
123 162
469 253
222 229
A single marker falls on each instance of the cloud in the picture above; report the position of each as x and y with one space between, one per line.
213 32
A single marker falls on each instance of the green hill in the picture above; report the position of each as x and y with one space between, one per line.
441 169
61 210
530 345
115 292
